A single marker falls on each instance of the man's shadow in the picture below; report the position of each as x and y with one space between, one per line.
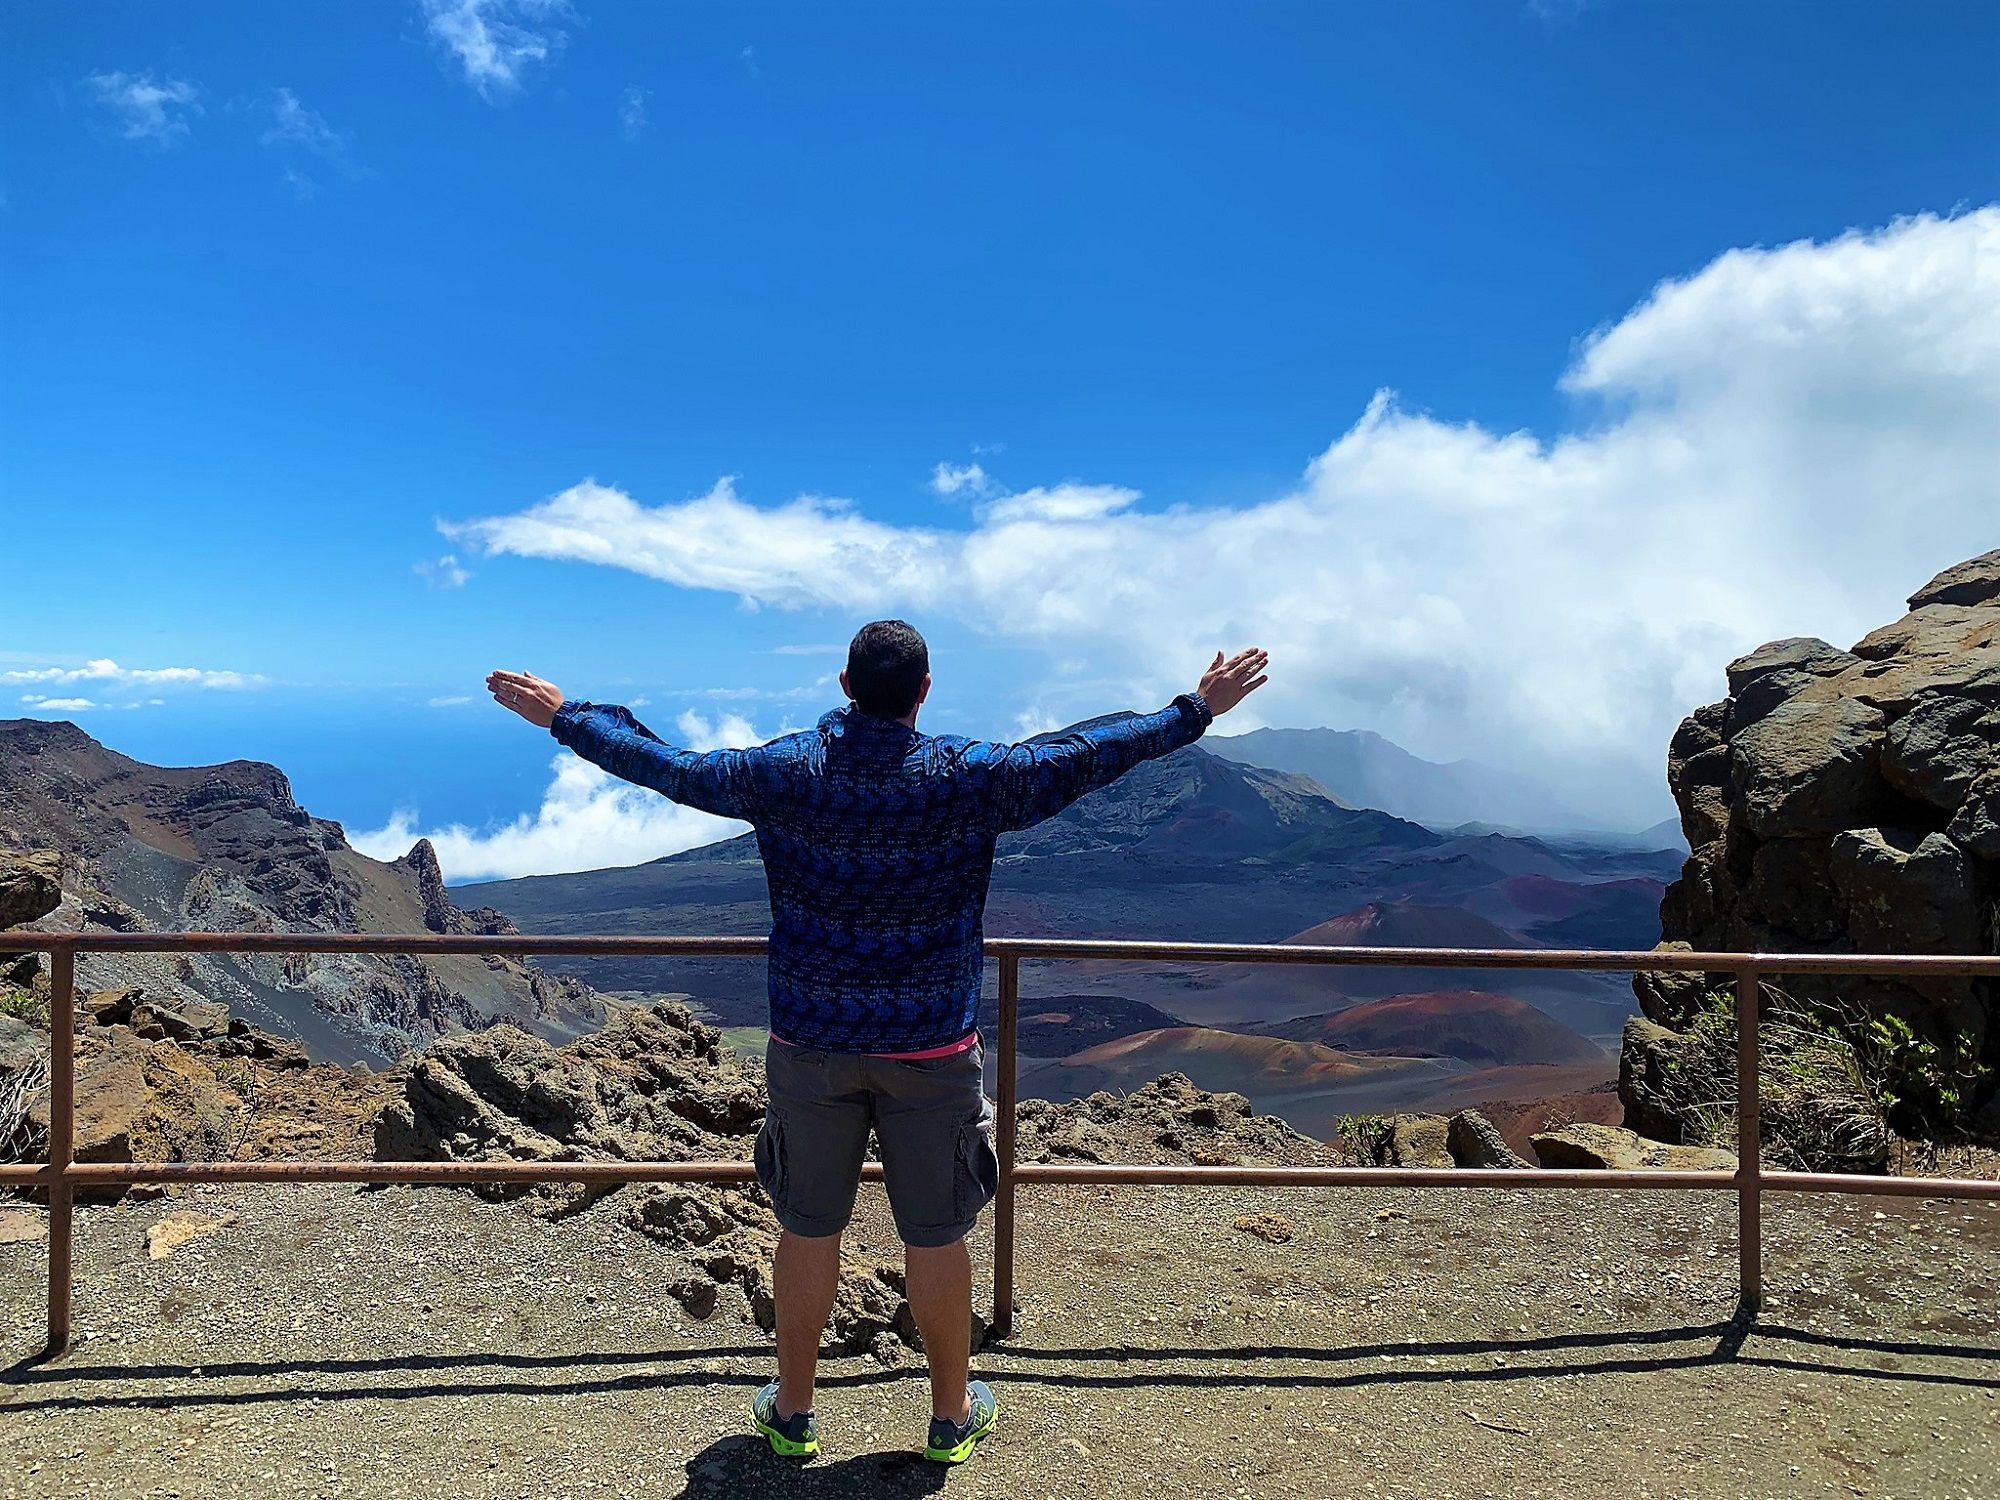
743 1467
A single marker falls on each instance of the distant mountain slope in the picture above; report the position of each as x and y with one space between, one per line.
173 848
1189 846
1259 1066
1475 1026
1576 914
1363 769
1206 806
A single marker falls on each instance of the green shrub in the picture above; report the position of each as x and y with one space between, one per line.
24 1006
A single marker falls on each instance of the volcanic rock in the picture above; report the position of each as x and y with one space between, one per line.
30 887
1167 1120
1416 1141
1609 1147
1474 1141
1845 801
1656 1075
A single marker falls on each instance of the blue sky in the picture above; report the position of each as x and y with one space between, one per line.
288 289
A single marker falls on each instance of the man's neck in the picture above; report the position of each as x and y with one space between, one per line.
908 720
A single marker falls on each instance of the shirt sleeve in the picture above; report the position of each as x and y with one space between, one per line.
1040 777
723 782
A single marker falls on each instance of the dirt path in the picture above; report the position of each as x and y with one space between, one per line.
333 1342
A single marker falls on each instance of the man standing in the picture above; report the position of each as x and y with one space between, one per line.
878 845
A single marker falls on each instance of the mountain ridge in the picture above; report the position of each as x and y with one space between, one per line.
227 847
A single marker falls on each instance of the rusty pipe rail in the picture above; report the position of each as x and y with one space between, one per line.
61 1175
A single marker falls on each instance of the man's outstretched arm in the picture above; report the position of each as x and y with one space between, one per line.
1040 778
722 782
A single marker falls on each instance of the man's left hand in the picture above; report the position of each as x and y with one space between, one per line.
526 694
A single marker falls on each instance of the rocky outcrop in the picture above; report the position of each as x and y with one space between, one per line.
1415 1141
142 1100
659 1085
655 1085
1662 1076
1474 1141
30 888
1167 1120
164 1083
1609 1147
1848 801
159 848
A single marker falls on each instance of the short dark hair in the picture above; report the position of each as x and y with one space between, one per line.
886 664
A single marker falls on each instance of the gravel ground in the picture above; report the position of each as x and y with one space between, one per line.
340 1342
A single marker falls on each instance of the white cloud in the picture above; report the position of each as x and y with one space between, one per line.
632 112
293 128
442 572
497 42
810 551
106 670
587 820
36 703
1030 722
451 700
153 111
1785 442
952 479
294 125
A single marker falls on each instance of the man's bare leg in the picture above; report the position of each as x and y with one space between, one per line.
939 1285
804 1279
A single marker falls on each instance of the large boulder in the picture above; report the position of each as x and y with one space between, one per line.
1475 1141
1612 1148
1843 802
1810 765
1661 1074
139 1100
1415 1141
30 887
654 1085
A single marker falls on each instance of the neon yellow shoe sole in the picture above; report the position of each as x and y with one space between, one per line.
986 1414
764 1417
784 1447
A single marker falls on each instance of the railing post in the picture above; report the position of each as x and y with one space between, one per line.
1749 1151
1002 1322
62 1141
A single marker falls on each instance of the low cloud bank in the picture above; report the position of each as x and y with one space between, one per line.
1785 442
587 820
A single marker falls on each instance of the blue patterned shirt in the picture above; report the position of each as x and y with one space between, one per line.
878 848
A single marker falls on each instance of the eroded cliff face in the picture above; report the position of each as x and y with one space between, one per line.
227 847
1849 801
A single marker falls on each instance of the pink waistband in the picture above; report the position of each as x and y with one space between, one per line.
949 1049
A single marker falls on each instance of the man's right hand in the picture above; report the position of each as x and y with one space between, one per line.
1227 683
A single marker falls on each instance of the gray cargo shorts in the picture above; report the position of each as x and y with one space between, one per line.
931 1119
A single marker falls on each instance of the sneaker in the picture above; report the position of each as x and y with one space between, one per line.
951 1443
796 1436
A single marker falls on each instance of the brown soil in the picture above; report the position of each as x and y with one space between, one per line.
332 1341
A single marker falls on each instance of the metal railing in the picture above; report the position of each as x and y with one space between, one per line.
62 1174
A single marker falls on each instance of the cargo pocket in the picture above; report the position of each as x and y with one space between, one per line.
978 1175
769 1156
